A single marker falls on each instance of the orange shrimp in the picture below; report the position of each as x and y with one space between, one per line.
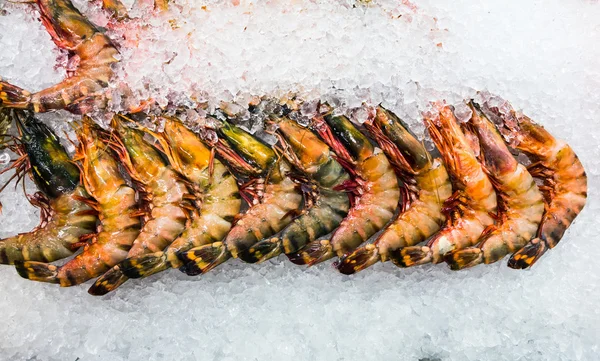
470 210
565 181
426 188
167 196
520 203
377 200
117 207
84 89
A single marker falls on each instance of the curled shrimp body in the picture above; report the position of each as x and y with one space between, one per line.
565 182
218 199
520 203
274 210
327 208
426 188
373 208
78 93
117 207
166 194
470 210
67 216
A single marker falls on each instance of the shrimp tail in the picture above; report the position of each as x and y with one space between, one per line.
261 251
145 265
464 258
109 281
411 256
37 271
358 260
13 97
315 252
203 259
528 255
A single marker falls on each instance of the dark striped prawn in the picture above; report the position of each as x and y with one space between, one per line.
378 192
118 211
563 175
269 214
426 187
165 192
218 199
67 217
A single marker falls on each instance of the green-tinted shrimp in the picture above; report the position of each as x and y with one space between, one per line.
166 193
66 213
217 195
375 205
117 207
326 210
277 207
426 188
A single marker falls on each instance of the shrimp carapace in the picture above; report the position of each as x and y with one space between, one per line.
520 203
426 186
378 192
470 210
118 211
67 216
324 208
275 206
84 89
217 197
563 175
165 194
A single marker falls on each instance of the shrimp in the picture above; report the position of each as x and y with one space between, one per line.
84 89
66 215
565 181
218 197
520 203
276 208
426 188
166 194
470 209
118 213
328 205
378 194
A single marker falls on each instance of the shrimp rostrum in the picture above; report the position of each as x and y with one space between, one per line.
67 217
520 203
470 210
273 209
84 89
426 187
118 211
564 181
377 188
217 198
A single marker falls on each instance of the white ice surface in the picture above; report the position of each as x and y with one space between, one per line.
541 55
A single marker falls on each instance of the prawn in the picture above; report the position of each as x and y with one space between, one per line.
470 210
83 90
118 213
217 195
66 215
520 203
426 186
564 181
274 210
378 193
328 205
165 193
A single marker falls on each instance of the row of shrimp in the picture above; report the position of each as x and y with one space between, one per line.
138 200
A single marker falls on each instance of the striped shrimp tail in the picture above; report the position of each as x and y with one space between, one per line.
145 265
359 259
314 253
261 251
528 255
411 256
12 96
37 271
108 282
464 258
203 259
